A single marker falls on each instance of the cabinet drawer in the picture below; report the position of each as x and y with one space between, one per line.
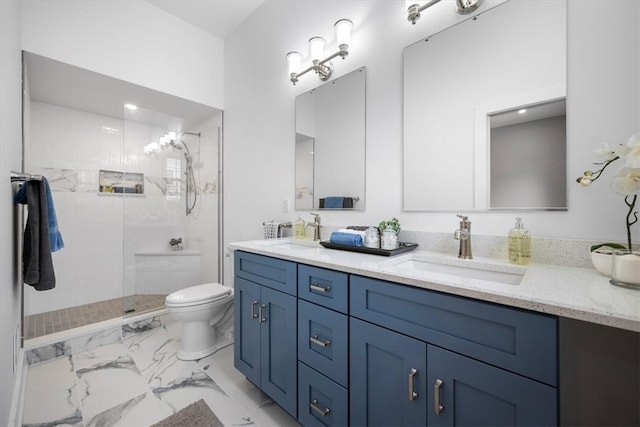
274 273
321 402
322 340
325 287
514 339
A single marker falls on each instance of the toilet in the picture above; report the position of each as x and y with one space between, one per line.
206 314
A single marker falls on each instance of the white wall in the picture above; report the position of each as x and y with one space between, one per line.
130 40
259 113
10 159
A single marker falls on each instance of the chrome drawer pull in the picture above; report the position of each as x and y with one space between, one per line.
316 408
437 407
412 394
253 312
315 287
314 339
261 314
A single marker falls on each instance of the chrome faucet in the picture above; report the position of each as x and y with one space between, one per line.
316 227
464 235
176 243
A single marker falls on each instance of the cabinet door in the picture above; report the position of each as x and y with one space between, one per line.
386 368
278 335
246 353
474 393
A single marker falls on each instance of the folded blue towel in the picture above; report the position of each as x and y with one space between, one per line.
333 202
349 239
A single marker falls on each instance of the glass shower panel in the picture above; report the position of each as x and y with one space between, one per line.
170 220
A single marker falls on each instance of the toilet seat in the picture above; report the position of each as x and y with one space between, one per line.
199 294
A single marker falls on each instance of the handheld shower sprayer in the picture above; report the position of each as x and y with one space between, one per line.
190 184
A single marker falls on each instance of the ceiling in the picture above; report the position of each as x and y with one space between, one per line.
217 17
57 83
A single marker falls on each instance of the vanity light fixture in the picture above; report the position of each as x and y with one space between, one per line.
462 6
322 67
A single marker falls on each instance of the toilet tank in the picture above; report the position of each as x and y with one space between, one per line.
164 272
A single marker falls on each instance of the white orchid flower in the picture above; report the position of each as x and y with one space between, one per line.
627 181
607 153
630 152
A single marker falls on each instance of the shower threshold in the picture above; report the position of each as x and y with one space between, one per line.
50 322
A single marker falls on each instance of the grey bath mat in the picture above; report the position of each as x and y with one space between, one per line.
197 414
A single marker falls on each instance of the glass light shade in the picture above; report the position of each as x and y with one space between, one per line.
316 48
294 59
343 32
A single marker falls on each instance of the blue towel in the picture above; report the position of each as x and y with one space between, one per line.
55 238
349 239
333 202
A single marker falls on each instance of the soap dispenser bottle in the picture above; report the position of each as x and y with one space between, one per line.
519 244
300 228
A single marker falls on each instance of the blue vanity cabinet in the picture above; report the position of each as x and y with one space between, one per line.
323 347
388 377
265 314
469 362
466 392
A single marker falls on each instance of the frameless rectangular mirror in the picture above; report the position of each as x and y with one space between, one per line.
330 144
458 83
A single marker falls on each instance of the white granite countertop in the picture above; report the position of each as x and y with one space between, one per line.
576 293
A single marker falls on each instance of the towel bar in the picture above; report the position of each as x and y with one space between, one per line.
19 176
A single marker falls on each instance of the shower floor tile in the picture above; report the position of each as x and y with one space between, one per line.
50 322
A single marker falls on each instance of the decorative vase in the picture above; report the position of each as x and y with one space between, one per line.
625 269
602 261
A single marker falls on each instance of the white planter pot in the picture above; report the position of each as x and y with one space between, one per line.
625 269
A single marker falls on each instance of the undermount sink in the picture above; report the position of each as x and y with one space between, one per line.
497 273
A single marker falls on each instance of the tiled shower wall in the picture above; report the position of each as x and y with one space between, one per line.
102 232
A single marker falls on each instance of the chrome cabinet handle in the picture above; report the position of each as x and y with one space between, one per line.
316 408
437 407
261 313
412 394
315 287
253 311
314 339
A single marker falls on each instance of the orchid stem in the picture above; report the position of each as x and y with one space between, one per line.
631 202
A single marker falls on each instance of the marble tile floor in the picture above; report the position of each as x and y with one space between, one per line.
137 381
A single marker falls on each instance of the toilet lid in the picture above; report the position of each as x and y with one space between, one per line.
199 294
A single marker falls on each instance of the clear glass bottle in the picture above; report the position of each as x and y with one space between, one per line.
371 238
300 228
389 239
519 244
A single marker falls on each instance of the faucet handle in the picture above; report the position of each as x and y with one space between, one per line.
463 217
316 217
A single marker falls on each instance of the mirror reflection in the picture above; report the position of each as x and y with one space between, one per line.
330 145
521 140
457 83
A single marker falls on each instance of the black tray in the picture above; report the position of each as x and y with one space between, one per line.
404 247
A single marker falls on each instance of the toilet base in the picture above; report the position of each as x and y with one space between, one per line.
200 354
